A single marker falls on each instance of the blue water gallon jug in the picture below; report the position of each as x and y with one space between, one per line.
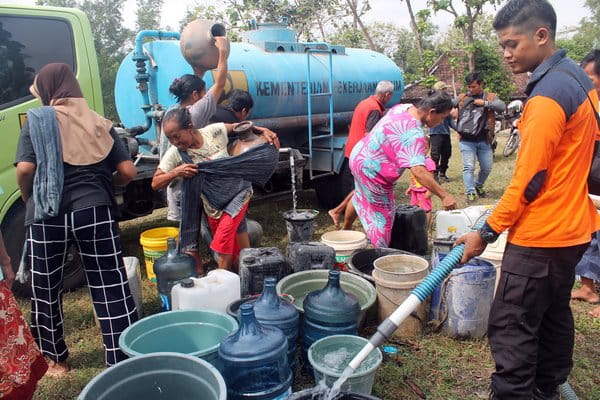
329 311
254 360
461 305
272 310
170 269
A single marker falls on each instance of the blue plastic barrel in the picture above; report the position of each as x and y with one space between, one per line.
461 305
254 360
329 311
272 310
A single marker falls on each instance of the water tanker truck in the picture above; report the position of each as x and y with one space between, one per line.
305 92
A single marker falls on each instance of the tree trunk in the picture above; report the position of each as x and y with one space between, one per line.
353 8
471 50
415 28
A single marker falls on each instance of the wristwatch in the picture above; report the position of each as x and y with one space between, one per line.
488 235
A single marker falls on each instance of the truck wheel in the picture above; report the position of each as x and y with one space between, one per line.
13 232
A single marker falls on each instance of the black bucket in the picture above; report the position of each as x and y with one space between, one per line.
361 261
300 224
309 394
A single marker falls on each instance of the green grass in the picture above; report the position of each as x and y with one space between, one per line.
441 367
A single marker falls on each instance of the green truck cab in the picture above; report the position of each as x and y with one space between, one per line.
31 37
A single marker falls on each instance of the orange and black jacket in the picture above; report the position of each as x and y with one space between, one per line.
546 203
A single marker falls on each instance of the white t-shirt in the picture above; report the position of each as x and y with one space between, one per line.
214 146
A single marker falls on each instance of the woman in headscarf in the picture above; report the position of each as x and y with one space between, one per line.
68 158
21 363
396 143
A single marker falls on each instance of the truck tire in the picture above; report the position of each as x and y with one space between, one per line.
13 231
331 190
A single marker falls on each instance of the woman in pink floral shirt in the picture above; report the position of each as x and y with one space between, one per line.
396 143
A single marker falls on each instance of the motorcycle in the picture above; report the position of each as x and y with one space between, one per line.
512 114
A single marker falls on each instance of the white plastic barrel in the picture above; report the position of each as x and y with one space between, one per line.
457 222
213 292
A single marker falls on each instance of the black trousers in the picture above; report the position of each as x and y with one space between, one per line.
441 150
531 329
95 232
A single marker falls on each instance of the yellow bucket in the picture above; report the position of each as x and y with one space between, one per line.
154 243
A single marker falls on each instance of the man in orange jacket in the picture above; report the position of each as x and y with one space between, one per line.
366 115
546 207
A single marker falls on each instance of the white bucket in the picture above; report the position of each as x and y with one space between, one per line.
344 243
132 268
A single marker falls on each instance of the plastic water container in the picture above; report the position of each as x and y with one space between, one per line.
272 310
154 244
330 356
258 264
132 268
409 231
157 376
329 311
396 275
460 306
344 242
170 269
312 255
254 360
213 292
457 222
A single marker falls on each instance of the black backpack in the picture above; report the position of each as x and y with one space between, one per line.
471 118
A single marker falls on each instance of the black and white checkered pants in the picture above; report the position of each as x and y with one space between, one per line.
96 234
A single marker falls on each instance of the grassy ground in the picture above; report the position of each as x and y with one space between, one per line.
442 368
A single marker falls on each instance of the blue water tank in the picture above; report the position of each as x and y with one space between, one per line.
254 360
461 305
329 311
271 65
271 310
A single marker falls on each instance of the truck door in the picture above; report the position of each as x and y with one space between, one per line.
27 43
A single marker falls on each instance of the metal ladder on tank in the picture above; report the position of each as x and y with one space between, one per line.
310 96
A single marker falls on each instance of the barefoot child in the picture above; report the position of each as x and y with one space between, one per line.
420 196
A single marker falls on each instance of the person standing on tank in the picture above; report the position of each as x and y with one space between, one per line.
545 208
190 91
366 114
68 160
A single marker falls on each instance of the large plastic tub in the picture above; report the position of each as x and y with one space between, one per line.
157 376
194 332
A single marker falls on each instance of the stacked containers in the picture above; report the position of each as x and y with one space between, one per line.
329 311
256 265
272 310
171 269
254 360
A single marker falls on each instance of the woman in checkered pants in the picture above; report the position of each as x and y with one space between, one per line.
66 161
